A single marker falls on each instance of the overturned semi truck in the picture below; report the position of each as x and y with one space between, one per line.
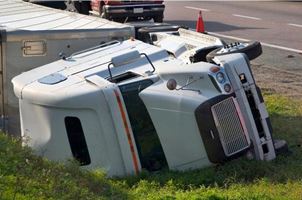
127 106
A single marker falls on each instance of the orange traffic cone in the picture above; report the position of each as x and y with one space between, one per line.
200 24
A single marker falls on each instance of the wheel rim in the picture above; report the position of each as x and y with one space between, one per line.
232 47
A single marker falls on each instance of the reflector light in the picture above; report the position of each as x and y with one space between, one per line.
214 69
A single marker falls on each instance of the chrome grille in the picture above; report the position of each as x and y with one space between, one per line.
232 133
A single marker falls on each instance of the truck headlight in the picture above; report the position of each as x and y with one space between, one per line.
227 87
220 77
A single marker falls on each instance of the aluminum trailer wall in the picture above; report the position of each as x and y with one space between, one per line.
33 35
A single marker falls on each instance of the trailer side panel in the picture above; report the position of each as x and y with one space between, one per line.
33 35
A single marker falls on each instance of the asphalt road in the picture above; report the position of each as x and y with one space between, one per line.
277 25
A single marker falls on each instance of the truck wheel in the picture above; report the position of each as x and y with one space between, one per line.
251 49
143 33
158 19
159 28
81 7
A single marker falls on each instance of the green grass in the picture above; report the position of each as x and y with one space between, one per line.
25 176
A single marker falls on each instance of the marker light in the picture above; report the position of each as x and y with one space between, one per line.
220 77
227 88
214 69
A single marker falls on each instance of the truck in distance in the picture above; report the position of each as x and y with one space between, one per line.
129 10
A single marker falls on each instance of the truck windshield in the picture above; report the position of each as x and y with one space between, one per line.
148 145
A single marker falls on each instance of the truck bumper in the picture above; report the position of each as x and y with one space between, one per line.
142 10
239 121
252 106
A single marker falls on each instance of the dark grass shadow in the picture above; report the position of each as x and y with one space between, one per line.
284 168
211 26
24 175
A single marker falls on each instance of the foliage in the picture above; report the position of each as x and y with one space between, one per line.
26 176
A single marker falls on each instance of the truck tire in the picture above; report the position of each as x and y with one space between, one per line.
251 49
158 19
81 7
159 28
143 33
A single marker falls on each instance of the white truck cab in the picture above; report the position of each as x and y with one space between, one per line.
128 106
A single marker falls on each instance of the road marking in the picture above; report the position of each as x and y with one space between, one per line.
262 43
229 37
195 8
297 25
247 17
281 47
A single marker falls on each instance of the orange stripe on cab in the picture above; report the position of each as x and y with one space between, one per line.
127 130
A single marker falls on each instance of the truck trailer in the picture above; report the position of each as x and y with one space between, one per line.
33 35
128 106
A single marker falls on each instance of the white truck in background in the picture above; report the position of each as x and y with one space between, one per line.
128 106
33 35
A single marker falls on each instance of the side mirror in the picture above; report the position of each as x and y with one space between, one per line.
171 84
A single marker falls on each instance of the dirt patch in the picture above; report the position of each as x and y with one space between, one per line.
273 80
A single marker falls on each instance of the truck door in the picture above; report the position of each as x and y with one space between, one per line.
149 148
